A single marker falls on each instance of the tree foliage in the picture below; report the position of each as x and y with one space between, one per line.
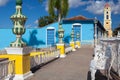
45 20
58 8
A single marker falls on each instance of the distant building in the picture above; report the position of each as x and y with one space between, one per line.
107 19
86 27
48 35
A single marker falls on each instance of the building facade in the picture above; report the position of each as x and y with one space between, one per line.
48 35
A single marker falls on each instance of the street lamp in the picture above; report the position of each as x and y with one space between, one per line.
60 33
72 35
118 34
18 21
95 32
78 36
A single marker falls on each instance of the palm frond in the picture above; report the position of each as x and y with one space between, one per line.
64 7
61 6
51 4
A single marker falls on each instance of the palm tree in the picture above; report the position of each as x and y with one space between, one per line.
58 8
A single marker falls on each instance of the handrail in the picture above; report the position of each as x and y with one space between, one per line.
3 52
68 49
38 58
111 49
7 69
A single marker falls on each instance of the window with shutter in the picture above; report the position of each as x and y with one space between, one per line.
77 29
50 37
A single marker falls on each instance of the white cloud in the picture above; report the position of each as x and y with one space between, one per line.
72 3
115 7
46 5
76 3
97 7
28 26
36 22
29 6
3 2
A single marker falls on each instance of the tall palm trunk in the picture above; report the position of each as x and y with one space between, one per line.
59 17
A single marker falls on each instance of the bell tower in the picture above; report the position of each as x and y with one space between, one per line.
107 19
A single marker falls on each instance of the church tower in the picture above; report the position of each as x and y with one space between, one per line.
107 19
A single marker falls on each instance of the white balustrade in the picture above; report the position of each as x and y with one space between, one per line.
68 49
107 56
44 58
7 69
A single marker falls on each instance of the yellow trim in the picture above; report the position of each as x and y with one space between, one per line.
62 49
22 62
78 43
36 53
72 44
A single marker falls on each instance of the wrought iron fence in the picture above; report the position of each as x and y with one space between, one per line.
7 69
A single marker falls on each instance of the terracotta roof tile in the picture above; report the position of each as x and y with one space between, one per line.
107 5
77 18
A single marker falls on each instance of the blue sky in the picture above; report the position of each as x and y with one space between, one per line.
33 10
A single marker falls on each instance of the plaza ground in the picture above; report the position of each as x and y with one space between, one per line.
74 67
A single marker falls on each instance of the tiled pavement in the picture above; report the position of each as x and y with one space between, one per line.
74 67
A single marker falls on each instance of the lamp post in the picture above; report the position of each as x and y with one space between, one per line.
18 21
61 44
118 34
78 40
60 33
18 50
78 36
72 36
95 32
72 43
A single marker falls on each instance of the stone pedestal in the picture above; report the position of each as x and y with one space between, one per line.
72 44
22 62
78 44
62 49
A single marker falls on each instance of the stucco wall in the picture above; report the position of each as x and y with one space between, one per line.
37 37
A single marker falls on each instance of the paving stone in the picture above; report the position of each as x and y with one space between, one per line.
73 67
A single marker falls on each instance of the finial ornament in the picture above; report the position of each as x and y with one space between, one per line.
18 21
78 36
72 35
60 33
18 2
118 35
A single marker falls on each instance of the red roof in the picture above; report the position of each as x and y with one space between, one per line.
107 5
77 18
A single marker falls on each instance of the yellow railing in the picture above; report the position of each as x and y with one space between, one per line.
11 67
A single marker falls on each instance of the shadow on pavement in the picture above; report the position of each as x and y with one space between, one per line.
98 76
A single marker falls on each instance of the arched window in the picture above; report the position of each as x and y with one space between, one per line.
76 28
107 17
